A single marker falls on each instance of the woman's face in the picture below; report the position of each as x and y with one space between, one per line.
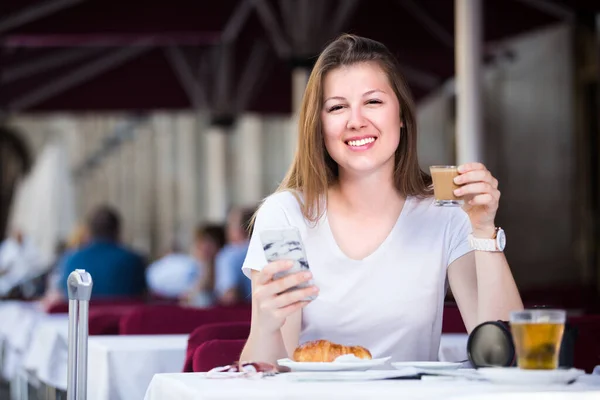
360 118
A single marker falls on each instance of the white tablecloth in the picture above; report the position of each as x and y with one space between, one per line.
17 322
453 347
193 386
47 354
121 367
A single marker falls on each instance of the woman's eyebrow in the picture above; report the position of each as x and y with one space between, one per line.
370 92
334 98
367 93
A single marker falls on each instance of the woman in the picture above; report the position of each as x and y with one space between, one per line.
380 252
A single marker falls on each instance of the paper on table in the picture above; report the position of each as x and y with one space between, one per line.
242 370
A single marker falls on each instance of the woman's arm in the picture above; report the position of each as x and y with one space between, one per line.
276 311
483 287
481 281
269 345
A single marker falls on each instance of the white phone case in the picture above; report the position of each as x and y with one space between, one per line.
286 244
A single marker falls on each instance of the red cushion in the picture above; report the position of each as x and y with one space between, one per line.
204 333
217 353
63 307
171 319
452 321
587 342
105 321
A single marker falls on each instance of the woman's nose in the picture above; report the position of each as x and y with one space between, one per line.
356 119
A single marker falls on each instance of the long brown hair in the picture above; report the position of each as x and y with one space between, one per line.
313 170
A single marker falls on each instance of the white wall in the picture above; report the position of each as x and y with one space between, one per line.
435 138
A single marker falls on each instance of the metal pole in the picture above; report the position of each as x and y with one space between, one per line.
468 28
71 372
35 12
80 75
79 285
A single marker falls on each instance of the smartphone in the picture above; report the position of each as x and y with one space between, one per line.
286 244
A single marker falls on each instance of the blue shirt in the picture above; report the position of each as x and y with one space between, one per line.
115 270
228 271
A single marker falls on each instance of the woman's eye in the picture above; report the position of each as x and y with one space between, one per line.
334 108
374 101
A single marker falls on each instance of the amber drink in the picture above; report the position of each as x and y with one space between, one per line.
537 335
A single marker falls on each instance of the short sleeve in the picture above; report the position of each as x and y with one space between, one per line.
460 229
271 215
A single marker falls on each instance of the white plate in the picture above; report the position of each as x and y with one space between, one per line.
430 365
346 375
355 365
519 376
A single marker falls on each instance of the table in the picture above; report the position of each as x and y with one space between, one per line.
18 320
195 386
35 349
121 367
453 347
47 355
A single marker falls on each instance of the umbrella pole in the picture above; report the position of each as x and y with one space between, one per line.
468 38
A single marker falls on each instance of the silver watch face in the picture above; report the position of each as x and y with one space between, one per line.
501 239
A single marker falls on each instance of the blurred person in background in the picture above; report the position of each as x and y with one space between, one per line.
116 270
173 274
209 239
19 260
78 238
231 286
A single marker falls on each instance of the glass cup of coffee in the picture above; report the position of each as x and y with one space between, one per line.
444 186
537 335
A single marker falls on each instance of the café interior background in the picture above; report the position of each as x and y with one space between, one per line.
175 112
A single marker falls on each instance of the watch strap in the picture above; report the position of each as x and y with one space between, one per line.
482 244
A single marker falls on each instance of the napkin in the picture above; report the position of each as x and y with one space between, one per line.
254 370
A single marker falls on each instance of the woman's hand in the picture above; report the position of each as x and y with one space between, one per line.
479 189
273 306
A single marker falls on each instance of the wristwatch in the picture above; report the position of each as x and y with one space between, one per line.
495 244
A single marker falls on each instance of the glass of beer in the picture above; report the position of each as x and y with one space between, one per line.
444 186
537 335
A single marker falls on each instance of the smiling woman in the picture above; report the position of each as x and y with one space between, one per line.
361 113
355 82
380 252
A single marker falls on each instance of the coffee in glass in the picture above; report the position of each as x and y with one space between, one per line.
444 186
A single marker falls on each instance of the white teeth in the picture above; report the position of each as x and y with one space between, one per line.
361 142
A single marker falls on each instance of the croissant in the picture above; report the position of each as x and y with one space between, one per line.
326 351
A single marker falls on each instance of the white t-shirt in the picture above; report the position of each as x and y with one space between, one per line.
173 275
390 302
18 263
